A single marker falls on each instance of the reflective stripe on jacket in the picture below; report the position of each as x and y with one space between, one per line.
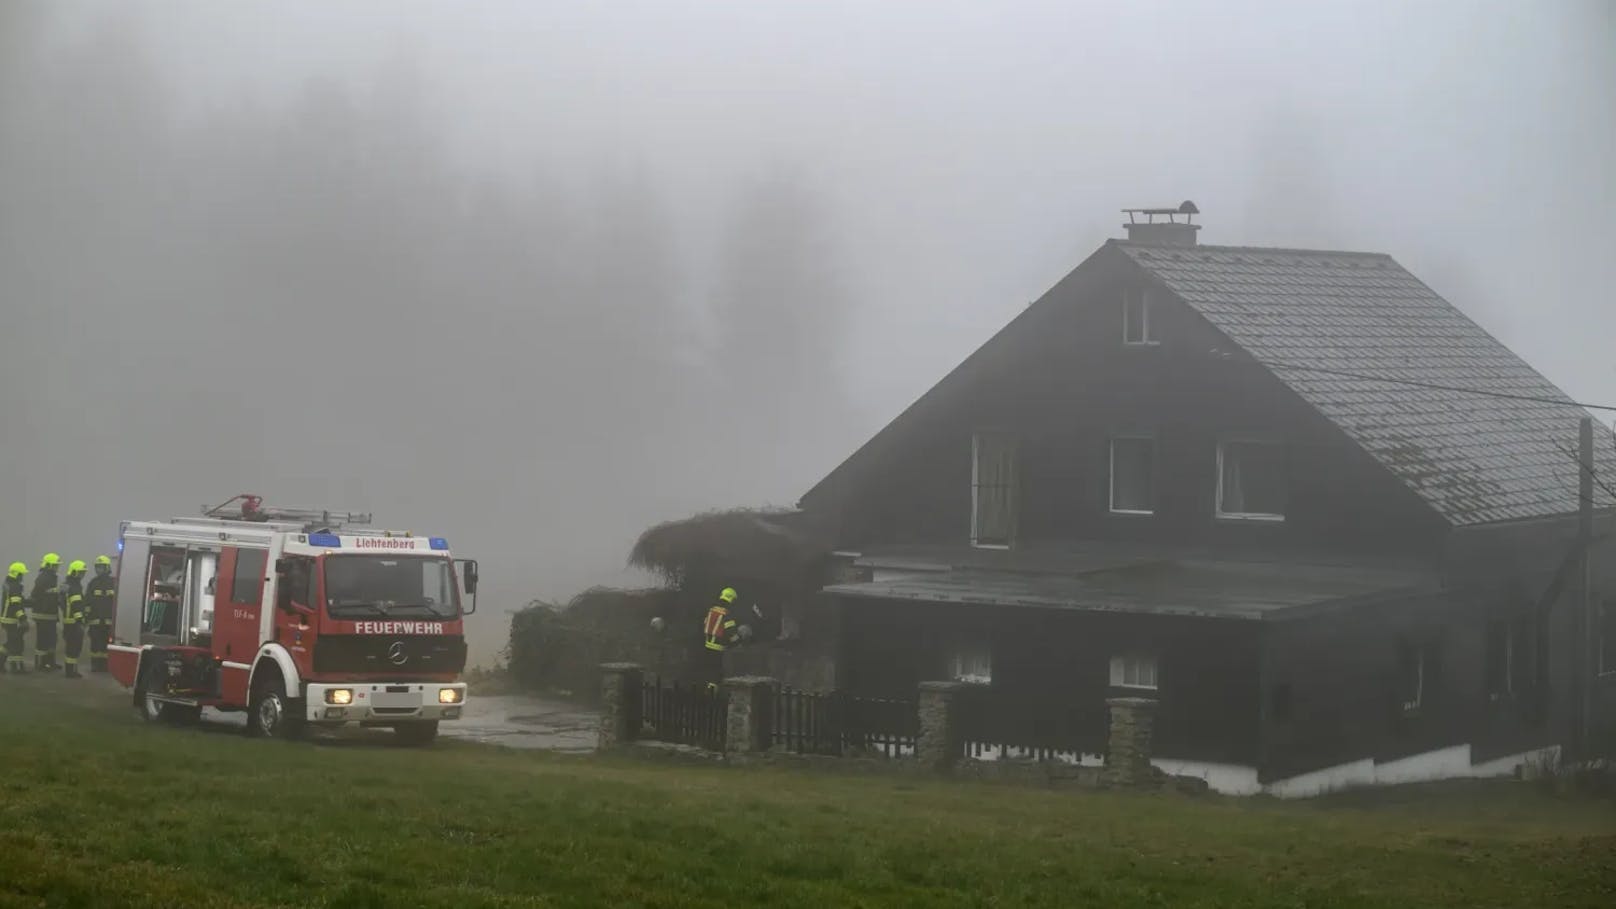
73 614
719 629
101 593
15 609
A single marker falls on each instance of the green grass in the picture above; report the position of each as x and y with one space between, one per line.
99 810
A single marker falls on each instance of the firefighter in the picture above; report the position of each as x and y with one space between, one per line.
45 608
102 594
73 618
718 633
14 617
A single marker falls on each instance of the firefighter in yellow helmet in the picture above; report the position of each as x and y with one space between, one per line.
14 617
45 609
73 618
102 594
718 632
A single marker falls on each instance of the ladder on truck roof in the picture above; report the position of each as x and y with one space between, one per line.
308 520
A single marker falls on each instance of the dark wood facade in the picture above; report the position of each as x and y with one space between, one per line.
1489 659
1063 383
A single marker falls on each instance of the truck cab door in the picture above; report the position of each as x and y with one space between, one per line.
296 613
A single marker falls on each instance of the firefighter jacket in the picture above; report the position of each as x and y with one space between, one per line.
45 602
73 603
718 632
15 610
102 594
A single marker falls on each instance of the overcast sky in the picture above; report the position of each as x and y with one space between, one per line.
958 158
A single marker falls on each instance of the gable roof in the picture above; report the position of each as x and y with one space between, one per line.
1318 320
1474 459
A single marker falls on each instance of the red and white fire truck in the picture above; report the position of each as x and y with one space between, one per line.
299 617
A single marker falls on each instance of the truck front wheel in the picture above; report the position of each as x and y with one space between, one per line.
271 714
417 733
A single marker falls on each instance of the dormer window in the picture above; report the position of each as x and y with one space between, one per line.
1137 330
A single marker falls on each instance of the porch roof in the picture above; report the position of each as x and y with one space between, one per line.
1168 586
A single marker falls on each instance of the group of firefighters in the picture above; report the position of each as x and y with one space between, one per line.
53 603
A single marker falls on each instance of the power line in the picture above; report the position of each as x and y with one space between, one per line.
1434 386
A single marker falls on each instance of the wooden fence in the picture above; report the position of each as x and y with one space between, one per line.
997 726
838 723
688 714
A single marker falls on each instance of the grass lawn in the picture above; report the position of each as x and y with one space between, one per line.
100 810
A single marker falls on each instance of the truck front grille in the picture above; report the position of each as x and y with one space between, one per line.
401 656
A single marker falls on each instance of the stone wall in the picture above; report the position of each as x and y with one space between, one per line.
1127 758
620 694
939 746
751 713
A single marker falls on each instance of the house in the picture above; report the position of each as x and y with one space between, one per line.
1323 519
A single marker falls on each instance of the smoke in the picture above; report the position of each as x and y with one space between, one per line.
536 276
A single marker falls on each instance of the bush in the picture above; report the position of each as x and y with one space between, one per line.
559 649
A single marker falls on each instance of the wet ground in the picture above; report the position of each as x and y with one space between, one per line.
513 721
524 721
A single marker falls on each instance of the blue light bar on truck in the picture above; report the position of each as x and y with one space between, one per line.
438 542
324 539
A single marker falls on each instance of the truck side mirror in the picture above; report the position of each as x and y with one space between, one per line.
468 581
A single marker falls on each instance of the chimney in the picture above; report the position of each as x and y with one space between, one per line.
1163 226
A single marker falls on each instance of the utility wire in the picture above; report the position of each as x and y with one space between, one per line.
1593 473
1434 386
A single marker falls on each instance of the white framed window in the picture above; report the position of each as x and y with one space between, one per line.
1133 475
1133 670
1416 665
972 663
1510 657
1137 330
1251 480
993 490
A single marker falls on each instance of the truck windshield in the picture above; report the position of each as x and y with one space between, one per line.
358 586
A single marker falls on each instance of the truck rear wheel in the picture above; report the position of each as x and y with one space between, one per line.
417 733
153 710
271 714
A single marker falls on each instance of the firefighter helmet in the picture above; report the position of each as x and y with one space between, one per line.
17 570
51 560
76 566
728 594
103 560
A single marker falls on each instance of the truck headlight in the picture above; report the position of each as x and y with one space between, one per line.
339 696
448 695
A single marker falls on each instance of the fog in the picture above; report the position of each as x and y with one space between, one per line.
534 276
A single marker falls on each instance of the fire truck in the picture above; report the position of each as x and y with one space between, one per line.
299 617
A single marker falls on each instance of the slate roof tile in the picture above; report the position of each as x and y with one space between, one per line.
1475 459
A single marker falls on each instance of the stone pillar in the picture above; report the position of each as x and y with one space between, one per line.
939 745
620 695
751 713
1127 758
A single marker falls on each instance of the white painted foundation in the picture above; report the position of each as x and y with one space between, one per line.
1442 764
